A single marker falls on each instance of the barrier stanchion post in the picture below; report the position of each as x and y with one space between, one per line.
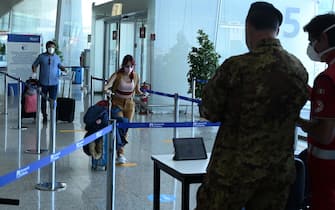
194 80
52 185
176 113
91 92
193 97
19 105
111 145
38 149
19 92
295 138
105 95
5 94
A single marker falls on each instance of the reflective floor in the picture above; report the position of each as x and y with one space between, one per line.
86 189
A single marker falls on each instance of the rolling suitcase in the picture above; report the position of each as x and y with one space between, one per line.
65 106
29 99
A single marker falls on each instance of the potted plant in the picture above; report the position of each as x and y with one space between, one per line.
203 62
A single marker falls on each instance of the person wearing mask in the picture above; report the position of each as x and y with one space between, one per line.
49 65
321 125
124 84
257 97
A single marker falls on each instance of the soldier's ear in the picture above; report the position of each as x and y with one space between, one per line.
277 32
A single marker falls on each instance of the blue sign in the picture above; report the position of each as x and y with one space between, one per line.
23 38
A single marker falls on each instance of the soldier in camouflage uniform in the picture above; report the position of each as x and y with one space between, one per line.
257 97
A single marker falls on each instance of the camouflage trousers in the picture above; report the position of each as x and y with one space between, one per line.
269 192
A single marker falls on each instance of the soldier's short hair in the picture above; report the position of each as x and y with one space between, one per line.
318 24
263 15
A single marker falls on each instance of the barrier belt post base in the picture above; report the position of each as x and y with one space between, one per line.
35 151
47 186
23 128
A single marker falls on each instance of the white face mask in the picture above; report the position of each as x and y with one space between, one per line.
315 56
128 70
51 50
312 54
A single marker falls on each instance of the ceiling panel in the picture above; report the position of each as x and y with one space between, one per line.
6 5
129 6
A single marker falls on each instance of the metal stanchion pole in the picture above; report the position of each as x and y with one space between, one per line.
194 80
92 92
19 106
52 185
111 145
19 92
176 113
193 97
38 149
295 138
5 94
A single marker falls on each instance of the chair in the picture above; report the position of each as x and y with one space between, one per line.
297 192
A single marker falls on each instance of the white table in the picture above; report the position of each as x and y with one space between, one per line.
188 172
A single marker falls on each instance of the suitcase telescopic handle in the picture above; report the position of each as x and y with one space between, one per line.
63 89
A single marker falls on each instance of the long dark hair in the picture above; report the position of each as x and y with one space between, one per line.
126 59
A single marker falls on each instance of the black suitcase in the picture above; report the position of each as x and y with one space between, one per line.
66 106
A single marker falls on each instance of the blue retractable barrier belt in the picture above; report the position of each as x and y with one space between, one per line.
167 124
25 170
17 174
172 95
158 93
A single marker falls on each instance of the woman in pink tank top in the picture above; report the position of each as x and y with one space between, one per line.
125 84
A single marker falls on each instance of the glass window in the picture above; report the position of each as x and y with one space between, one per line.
231 34
35 17
4 22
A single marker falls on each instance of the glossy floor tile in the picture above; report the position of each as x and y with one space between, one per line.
86 189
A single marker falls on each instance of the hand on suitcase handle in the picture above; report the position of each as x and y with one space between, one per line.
34 75
108 92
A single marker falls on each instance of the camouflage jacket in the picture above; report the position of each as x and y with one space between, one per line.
257 97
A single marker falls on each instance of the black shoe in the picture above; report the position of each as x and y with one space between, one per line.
45 119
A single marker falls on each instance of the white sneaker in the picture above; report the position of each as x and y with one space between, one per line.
120 160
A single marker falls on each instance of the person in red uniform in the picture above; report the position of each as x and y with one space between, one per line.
321 125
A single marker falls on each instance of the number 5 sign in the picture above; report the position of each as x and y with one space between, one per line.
291 20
